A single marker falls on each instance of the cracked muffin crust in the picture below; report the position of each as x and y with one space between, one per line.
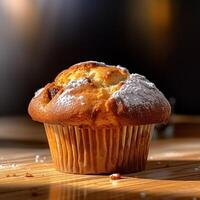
95 94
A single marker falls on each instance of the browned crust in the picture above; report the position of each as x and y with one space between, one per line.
157 113
98 107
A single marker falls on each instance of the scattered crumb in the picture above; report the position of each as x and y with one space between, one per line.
11 175
194 198
115 176
167 165
2 166
37 158
28 175
142 194
13 165
158 163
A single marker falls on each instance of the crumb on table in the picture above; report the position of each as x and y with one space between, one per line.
11 175
115 176
28 174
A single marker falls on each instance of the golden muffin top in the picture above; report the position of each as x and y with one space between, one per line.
95 94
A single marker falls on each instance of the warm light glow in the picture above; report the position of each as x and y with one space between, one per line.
160 14
22 14
154 20
159 23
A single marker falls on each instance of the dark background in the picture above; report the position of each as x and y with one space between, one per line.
157 38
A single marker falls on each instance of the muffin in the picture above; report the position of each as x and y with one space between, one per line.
99 118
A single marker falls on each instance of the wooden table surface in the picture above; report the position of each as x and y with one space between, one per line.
26 170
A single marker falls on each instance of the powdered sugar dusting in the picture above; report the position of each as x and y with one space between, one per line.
66 99
122 68
137 91
38 92
77 83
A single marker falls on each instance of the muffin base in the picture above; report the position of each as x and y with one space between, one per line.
79 150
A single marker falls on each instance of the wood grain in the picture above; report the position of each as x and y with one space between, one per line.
173 172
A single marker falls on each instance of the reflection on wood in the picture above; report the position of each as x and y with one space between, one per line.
173 172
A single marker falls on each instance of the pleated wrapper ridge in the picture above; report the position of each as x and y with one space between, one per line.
80 150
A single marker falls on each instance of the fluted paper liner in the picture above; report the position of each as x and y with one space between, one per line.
101 150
